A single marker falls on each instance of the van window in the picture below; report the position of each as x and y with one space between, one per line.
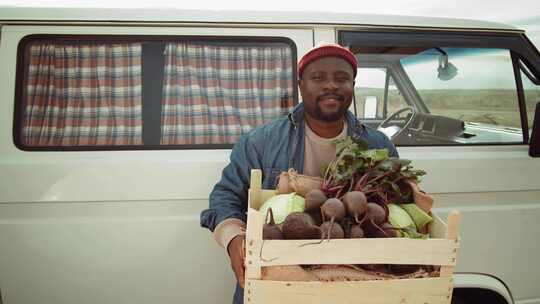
215 93
80 93
376 94
478 89
418 93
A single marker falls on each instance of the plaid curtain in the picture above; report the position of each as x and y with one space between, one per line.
214 93
83 95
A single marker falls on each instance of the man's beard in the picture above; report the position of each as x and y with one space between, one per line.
330 117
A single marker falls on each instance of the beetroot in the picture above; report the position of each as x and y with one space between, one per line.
376 213
316 216
298 226
332 230
385 230
356 232
333 209
389 230
356 205
270 230
314 199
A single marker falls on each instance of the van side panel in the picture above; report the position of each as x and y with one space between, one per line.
109 226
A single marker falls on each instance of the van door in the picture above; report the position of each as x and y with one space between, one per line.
455 104
111 139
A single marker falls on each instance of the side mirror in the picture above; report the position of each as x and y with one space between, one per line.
370 107
534 142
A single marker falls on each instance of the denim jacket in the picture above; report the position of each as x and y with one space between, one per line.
273 147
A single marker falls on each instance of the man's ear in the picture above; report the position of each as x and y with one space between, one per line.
300 86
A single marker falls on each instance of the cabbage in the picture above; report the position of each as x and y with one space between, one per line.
282 205
399 218
404 221
419 216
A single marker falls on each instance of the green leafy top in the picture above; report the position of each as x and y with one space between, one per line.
381 178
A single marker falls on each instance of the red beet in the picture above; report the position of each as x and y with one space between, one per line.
300 225
332 230
356 204
270 230
314 199
333 209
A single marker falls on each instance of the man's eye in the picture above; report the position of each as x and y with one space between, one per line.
342 78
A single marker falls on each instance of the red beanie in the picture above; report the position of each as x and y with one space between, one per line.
327 50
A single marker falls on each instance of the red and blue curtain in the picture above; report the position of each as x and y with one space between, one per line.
79 95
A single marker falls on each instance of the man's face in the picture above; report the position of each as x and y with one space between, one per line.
327 86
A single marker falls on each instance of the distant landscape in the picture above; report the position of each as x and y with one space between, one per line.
493 106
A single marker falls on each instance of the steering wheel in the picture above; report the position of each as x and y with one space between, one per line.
393 131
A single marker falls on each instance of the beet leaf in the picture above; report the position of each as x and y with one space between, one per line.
372 171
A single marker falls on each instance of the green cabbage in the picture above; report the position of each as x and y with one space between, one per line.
406 226
282 205
419 216
399 218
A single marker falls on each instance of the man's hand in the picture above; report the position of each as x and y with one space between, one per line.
237 253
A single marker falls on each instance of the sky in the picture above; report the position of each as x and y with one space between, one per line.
524 14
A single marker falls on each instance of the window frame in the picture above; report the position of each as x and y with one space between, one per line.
391 70
22 66
516 42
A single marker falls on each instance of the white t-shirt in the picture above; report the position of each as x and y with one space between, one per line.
319 151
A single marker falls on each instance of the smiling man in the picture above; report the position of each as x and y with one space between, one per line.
302 140
326 81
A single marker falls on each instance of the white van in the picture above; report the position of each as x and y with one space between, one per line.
115 125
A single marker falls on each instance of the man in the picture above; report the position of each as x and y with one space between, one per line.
302 140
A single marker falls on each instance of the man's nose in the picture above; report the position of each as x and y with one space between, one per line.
330 84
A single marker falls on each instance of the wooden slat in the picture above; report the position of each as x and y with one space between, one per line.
453 225
413 291
255 223
359 251
452 233
254 193
253 244
437 228
254 228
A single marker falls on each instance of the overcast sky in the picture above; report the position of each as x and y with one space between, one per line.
524 14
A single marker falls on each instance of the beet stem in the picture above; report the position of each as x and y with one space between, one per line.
338 194
379 177
379 228
362 220
330 228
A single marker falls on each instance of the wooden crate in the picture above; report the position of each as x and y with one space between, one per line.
440 249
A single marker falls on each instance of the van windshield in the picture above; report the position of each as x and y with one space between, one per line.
473 85
439 95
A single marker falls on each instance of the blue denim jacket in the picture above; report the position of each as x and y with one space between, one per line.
273 147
